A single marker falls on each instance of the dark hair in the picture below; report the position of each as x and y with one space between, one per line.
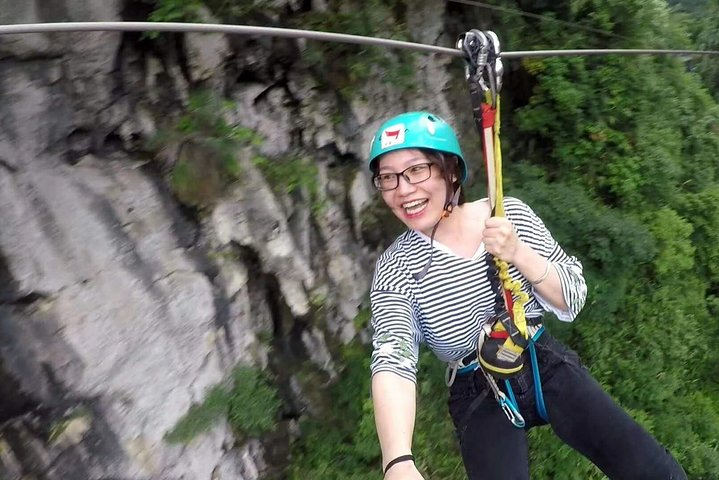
449 164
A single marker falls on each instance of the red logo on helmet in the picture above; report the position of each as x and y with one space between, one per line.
393 133
392 136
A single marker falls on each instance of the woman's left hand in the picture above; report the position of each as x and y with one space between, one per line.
500 239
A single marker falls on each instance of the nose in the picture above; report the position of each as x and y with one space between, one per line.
404 187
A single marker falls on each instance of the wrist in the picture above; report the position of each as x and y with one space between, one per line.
544 275
400 459
527 260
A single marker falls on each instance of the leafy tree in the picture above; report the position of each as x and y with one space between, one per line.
619 155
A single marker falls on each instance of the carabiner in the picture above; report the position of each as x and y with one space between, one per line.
475 46
484 66
494 54
512 413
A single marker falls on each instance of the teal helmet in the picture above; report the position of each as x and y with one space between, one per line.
416 130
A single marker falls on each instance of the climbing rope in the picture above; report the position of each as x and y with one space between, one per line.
484 70
503 341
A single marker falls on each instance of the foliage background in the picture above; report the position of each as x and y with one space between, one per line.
620 157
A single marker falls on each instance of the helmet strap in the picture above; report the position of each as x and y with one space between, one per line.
448 209
451 203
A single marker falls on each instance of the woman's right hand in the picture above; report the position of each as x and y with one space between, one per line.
403 471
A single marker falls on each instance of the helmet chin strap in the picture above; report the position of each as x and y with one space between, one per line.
451 203
448 209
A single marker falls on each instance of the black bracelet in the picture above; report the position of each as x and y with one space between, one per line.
402 458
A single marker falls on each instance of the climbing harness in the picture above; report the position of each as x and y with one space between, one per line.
504 341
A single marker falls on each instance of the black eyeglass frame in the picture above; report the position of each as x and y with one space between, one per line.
375 178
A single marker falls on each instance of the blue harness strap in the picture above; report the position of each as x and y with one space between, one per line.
538 395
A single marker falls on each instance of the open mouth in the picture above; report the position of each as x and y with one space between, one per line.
414 207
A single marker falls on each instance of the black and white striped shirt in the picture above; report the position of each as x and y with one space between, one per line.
447 308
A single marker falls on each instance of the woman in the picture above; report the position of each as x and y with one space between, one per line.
434 285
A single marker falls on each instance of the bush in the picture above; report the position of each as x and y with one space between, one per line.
207 150
250 404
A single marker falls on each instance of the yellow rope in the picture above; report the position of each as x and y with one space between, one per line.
514 286
499 200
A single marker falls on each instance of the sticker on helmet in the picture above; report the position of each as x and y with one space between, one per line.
392 136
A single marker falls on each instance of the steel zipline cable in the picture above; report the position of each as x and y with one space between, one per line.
309 35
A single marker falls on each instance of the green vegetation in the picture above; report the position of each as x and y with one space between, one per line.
292 175
200 418
250 405
701 22
253 403
362 319
343 444
207 150
176 11
207 158
228 11
619 156
626 177
244 11
342 67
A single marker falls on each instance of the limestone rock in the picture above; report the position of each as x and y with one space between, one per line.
119 307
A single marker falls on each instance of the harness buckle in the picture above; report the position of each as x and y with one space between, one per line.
468 364
501 347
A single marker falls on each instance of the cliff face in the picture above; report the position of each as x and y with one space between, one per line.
121 303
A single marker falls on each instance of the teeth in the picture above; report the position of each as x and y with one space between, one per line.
415 206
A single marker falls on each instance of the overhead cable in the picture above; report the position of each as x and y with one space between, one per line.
309 35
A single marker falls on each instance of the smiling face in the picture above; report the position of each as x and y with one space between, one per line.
419 205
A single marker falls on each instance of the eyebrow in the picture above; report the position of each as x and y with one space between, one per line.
408 164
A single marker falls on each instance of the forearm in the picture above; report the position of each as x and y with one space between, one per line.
394 410
533 266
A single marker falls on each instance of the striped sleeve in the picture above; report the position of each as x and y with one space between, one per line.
531 229
396 336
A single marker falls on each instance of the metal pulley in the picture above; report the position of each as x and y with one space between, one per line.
484 66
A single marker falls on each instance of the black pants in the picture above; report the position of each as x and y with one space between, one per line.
581 414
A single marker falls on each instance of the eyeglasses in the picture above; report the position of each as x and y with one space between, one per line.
414 174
